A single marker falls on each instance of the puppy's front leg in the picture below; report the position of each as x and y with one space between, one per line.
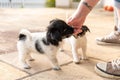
74 47
74 51
54 62
84 57
75 55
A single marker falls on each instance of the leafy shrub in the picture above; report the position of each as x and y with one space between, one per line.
50 3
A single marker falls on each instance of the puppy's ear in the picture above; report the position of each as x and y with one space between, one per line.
53 20
84 30
54 36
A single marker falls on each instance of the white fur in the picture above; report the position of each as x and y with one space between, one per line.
79 43
26 47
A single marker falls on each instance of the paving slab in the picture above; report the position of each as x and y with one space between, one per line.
12 20
37 18
101 23
83 71
8 72
40 63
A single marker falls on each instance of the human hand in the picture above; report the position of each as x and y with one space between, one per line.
76 21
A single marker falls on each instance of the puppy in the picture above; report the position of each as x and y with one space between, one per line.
77 42
47 43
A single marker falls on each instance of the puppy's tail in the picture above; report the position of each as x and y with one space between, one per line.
84 30
24 35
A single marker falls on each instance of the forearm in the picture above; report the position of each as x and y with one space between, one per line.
85 7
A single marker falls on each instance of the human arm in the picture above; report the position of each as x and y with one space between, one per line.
79 16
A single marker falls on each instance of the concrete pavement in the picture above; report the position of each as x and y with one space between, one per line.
99 21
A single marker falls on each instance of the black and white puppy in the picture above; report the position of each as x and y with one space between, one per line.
47 42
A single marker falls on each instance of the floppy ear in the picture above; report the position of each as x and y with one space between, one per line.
53 20
84 30
54 36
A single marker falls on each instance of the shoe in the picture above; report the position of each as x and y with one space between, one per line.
113 37
109 69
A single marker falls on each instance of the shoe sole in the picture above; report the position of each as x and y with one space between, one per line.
107 44
103 74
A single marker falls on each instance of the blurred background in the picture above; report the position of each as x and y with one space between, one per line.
46 3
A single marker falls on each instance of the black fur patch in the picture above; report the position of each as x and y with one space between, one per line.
38 47
54 37
45 41
22 37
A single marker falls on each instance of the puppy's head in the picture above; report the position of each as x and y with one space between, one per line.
58 30
84 30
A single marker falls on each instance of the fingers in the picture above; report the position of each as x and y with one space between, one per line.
75 25
69 21
77 31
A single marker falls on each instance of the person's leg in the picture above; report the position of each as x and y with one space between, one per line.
108 69
113 37
111 69
118 26
115 20
117 9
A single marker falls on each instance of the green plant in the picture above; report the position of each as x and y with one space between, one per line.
76 0
50 3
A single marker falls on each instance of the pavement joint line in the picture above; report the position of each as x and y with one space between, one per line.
34 73
49 69
88 57
29 74
15 67
97 59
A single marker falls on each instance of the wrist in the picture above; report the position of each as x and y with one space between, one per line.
82 11
85 7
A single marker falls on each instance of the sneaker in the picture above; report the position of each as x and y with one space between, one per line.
113 37
109 69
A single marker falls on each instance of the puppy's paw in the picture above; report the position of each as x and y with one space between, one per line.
84 58
56 68
26 66
76 61
61 50
31 59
